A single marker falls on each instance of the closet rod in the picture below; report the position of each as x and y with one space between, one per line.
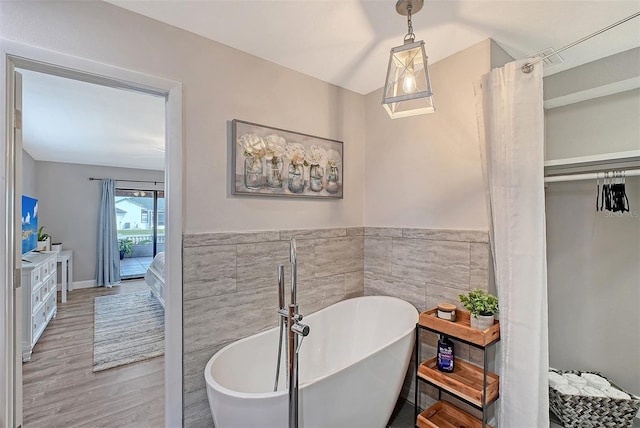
589 176
129 181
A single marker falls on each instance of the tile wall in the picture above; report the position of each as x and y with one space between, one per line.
230 291
426 267
230 284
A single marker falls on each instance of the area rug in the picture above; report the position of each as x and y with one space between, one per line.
128 327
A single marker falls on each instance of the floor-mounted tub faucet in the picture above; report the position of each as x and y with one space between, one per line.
295 329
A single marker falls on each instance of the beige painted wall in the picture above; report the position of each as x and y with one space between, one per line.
605 71
69 202
594 127
220 84
425 171
28 175
599 125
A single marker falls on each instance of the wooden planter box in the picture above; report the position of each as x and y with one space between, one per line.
461 328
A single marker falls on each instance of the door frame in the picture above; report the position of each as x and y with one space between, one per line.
12 55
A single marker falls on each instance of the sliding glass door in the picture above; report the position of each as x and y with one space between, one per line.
141 217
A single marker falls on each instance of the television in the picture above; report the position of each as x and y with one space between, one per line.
29 224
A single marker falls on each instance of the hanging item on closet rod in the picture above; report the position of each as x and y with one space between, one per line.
614 195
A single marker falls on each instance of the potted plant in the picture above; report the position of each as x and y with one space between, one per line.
124 245
483 306
44 240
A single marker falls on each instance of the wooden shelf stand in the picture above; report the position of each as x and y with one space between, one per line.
471 384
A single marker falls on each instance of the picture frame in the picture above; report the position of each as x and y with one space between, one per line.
268 161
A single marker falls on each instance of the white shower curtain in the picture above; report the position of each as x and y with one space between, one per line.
511 130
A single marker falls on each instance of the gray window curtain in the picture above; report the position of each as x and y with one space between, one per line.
108 253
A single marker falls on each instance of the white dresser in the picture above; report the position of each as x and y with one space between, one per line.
39 298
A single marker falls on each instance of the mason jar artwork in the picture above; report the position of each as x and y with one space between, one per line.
274 171
296 178
316 173
333 176
253 176
276 162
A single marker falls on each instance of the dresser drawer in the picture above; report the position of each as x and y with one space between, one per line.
36 275
50 305
52 285
46 269
52 265
38 320
44 291
36 298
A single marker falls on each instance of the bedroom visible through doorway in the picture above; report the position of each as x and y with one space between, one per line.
140 215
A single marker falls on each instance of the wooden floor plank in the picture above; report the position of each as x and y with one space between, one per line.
60 388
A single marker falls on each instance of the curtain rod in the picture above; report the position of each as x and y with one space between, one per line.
129 181
528 67
590 176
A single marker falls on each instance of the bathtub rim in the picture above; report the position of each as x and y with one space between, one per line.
210 382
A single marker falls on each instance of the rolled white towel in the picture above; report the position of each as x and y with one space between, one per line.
612 392
590 391
567 389
594 380
557 379
575 380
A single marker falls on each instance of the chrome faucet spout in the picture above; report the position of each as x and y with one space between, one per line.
292 250
293 258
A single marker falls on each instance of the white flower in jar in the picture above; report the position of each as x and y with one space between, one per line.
296 153
275 146
252 145
316 155
333 158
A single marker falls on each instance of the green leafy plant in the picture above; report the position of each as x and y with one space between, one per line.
124 245
479 302
41 235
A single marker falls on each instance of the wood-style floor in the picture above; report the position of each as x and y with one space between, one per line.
60 388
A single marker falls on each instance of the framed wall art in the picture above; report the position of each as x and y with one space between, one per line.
268 161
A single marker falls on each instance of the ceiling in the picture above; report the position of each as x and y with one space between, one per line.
347 42
66 120
343 42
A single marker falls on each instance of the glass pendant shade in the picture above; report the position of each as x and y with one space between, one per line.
407 90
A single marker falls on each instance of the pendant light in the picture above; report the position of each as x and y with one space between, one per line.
407 89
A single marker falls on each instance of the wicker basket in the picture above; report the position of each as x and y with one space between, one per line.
577 411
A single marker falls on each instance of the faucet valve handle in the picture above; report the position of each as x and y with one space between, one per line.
300 329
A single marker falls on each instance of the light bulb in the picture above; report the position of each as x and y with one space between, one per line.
409 84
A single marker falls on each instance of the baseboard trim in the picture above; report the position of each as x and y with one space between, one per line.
90 283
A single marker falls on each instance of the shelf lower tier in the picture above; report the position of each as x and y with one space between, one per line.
465 382
446 415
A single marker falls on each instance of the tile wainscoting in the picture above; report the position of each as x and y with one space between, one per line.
230 284
230 291
426 267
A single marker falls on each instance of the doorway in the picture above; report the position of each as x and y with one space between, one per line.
17 55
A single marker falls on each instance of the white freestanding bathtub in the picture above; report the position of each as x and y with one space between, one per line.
352 366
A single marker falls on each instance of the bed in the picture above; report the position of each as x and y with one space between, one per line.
154 277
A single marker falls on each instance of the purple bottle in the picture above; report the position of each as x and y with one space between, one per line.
445 356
